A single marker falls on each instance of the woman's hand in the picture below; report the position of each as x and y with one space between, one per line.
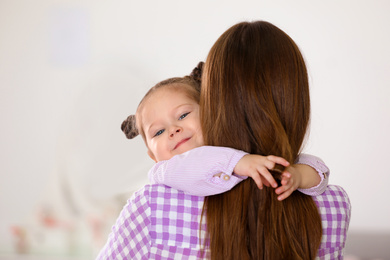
257 166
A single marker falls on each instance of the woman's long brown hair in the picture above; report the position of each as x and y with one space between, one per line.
255 97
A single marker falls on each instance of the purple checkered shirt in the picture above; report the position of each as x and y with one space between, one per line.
159 222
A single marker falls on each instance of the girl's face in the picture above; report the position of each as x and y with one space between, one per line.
170 120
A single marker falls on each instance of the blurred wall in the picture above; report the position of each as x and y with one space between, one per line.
72 71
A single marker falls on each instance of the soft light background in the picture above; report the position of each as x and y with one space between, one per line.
72 70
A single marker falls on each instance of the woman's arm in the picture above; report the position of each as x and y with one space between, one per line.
335 210
129 237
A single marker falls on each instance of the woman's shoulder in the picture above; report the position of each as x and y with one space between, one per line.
159 202
334 205
162 194
334 195
149 189
156 189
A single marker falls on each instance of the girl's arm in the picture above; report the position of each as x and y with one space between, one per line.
321 170
309 175
203 171
208 170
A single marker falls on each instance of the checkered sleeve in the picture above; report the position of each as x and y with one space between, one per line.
335 210
129 237
175 224
322 170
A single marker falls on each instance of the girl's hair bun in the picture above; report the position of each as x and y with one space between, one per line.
196 73
129 127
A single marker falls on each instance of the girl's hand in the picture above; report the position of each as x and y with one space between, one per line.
297 176
291 180
257 166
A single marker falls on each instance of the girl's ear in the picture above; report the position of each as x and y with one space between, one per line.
151 155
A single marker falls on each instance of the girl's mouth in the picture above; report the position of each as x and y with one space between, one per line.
181 142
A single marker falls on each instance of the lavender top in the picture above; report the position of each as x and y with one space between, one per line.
193 171
159 222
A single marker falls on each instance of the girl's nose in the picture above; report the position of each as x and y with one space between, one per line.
175 130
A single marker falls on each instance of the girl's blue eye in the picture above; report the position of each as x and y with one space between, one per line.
183 115
159 132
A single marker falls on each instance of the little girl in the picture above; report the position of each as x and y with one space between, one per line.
168 120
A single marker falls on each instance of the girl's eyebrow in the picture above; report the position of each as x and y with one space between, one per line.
181 105
174 111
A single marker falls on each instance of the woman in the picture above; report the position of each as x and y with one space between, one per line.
259 68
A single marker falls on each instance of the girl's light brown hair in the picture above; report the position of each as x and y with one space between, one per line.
255 97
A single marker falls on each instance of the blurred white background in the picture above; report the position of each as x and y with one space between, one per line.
72 70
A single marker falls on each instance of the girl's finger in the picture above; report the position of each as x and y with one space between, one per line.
280 190
286 174
285 195
269 164
258 181
278 160
285 180
267 175
265 182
